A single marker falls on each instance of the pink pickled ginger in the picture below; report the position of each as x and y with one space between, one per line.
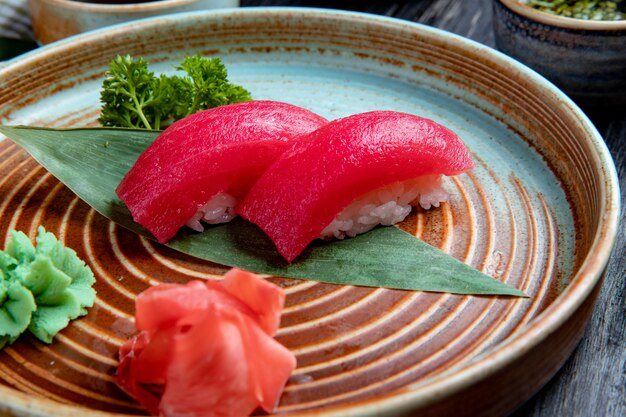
206 348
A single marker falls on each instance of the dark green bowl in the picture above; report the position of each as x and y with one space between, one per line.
585 59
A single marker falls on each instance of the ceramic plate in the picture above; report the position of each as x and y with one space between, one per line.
539 212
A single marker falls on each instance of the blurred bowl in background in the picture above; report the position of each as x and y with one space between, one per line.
57 19
584 58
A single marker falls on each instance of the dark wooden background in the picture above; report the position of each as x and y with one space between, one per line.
592 383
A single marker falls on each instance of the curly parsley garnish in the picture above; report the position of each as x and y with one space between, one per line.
133 96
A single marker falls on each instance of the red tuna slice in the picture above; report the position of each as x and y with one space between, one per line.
224 149
309 185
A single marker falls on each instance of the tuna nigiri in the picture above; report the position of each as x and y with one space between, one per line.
201 166
351 175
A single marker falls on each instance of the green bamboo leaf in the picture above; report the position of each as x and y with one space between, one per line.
92 162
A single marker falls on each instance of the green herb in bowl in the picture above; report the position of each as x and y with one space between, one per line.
581 9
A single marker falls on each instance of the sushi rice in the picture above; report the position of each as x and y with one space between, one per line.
219 209
386 206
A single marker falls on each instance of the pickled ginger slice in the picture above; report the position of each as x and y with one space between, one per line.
197 170
207 348
351 175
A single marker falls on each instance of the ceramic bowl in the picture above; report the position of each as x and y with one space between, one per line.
586 59
56 19
539 211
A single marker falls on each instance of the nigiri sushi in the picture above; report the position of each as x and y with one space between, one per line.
198 169
352 174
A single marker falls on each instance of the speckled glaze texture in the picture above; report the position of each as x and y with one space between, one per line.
539 211
57 19
587 63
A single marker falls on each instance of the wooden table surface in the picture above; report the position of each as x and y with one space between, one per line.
592 383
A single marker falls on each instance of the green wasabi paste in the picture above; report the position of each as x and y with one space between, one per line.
42 287
16 308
